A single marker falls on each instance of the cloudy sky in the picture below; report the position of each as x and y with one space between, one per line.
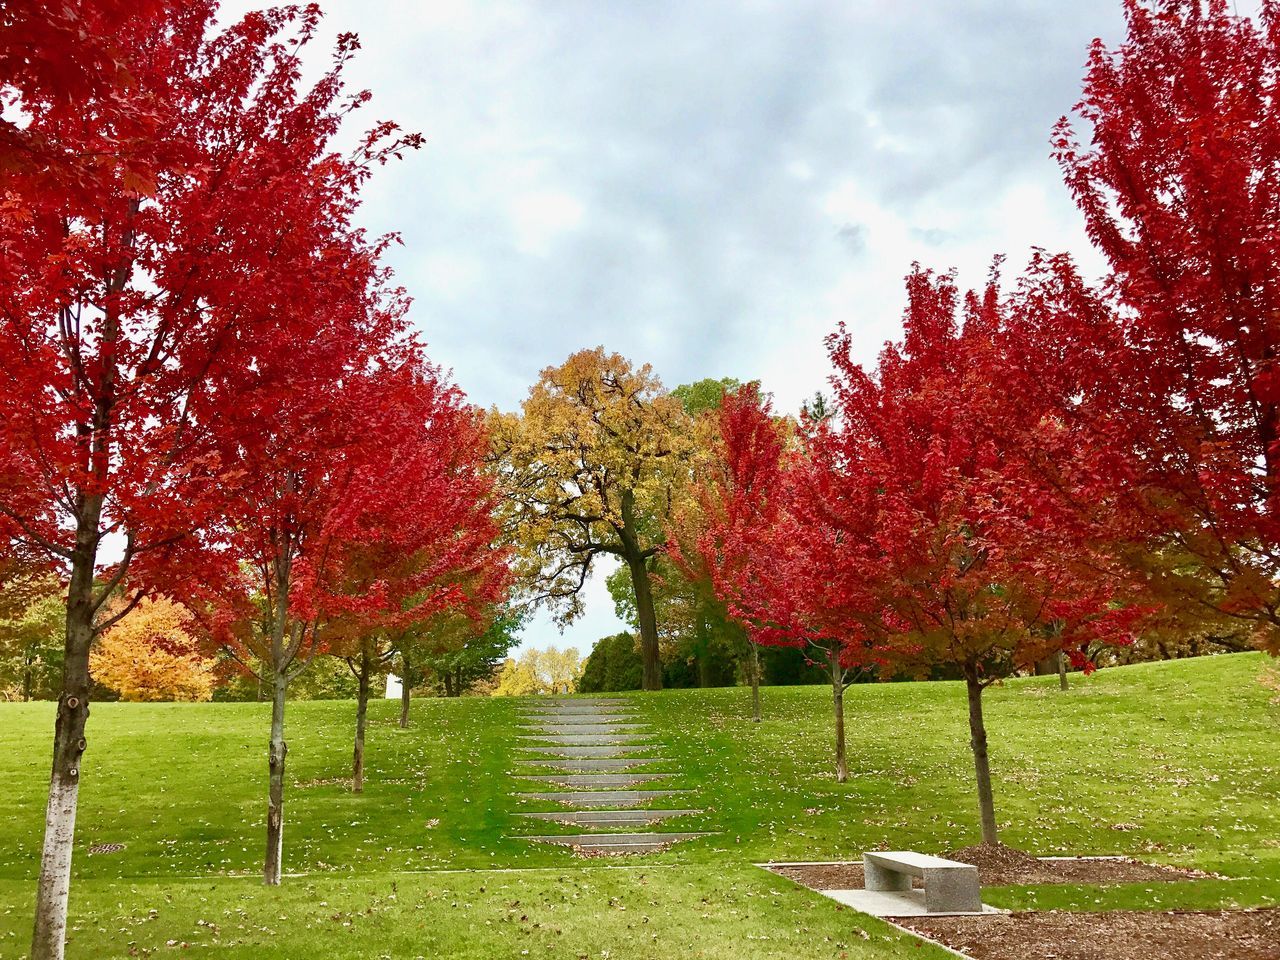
709 187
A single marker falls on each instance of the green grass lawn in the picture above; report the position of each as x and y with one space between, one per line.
1171 762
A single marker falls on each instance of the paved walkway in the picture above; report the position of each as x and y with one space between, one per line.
597 752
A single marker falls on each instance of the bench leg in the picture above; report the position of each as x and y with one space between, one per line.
879 878
952 891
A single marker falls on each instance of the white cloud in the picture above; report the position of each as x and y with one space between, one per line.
540 218
449 276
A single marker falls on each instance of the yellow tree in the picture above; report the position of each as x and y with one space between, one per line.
539 671
591 466
522 677
561 669
151 655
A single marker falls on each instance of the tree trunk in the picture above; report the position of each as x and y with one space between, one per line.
981 763
448 683
54 887
276 752
648 621
755 682
1062 670
362 713
405 687
457 683
837 701
704 669
48 938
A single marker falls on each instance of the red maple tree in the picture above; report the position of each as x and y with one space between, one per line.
423 542
1179 184
180 219
920 528
358 504
768 556
944 485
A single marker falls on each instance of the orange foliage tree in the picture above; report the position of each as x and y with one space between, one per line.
151 655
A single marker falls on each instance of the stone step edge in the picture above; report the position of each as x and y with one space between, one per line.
588 767
621 814
597 796
639 777
620 840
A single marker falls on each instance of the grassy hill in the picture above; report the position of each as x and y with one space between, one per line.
1173 762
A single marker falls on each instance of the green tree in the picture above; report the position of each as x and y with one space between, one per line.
614 664
476 650
694 628
703 396
32 621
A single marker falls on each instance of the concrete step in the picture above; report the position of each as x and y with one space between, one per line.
583 729
609 818
590 764
571 752
584 710
580 719
586 739
596 719
579 701
601 798
618 842
587 781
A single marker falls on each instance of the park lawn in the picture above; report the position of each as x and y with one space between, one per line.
594 911
1171 762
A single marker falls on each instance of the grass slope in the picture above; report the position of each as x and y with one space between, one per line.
1172 762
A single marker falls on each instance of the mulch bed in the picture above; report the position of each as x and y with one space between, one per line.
1136 935
1004 866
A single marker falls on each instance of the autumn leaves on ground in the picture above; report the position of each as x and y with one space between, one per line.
231 469
1090 769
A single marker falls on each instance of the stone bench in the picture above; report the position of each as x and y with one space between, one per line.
949 887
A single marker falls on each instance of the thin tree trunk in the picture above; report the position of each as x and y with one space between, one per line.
1062 670
981 762
837 700
362 713
755 682
448 683
54 887
457 683
277 748
276 753
405 688
704 669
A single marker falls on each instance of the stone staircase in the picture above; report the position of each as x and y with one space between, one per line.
597 750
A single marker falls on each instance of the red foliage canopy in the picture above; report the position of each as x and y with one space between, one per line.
922 525
415 535
1180 188
133 305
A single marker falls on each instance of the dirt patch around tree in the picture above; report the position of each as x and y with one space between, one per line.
1133 935
1000 866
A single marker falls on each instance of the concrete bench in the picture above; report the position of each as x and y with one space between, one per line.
949 887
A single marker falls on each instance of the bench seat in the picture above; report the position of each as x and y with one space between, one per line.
949 886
